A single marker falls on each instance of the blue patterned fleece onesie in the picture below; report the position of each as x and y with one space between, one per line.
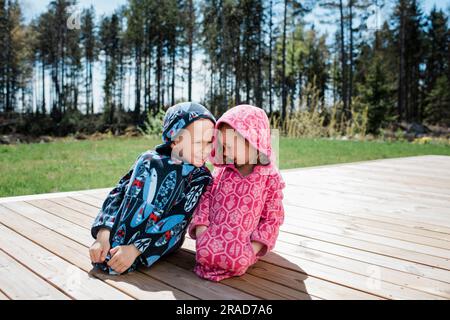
152 205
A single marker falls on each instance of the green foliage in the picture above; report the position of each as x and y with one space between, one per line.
375 93
263 53
153 125
438 102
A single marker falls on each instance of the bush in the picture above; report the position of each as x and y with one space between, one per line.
152 126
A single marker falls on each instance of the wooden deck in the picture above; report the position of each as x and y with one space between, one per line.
368 230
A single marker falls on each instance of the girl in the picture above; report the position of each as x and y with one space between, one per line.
239 215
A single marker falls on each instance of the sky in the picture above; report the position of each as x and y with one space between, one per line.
33 8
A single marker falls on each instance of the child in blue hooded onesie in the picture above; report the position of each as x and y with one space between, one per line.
146 215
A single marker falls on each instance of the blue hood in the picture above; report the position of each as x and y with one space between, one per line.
179 117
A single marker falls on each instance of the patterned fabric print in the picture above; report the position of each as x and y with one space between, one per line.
147 207
234 219
238 210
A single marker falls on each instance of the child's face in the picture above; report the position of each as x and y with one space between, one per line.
194 144
236 149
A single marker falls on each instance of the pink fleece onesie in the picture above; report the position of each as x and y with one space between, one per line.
238 210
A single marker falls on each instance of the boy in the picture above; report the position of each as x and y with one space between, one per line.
146 215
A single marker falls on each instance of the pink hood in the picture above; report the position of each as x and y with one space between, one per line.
253 124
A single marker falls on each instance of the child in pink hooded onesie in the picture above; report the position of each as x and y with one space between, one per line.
239 210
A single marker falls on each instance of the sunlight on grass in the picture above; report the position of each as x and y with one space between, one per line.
77 165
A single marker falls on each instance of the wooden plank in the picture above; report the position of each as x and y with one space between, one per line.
424 162
360 261
342 277
428 183
371 211
296 280
294 214
406 278
38 196
68 278
313 282
69 214
386 250
69 232
18 282
424 269
343 185
297 227
96 199
137 285
78 206
439 230
99 194
177 277
305 251
366 181
50 221
3 296
88 199
402 170
408 210
420 169
438 243
412 159
413 242
265 291
202 289
247 283
415 280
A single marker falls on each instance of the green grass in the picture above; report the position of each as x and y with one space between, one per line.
78 165
297 153
67 165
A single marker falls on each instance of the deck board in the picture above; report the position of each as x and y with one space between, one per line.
366 230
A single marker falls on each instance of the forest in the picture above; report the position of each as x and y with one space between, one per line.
259 52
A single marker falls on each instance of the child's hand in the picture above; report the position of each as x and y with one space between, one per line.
100 247
199 230
123 257
257 246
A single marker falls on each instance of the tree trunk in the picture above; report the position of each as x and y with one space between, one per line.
401 79
270 56
43 89
258 93
343 60
172 89
350 70
283 75
159 72
137 104
190 45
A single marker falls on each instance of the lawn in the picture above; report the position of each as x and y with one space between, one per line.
77 165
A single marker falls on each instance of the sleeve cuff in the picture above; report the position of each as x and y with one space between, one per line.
96 229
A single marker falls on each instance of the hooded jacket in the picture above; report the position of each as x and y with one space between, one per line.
236 209
152 204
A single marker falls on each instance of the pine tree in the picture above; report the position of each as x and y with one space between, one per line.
89 45
409 42
437 104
